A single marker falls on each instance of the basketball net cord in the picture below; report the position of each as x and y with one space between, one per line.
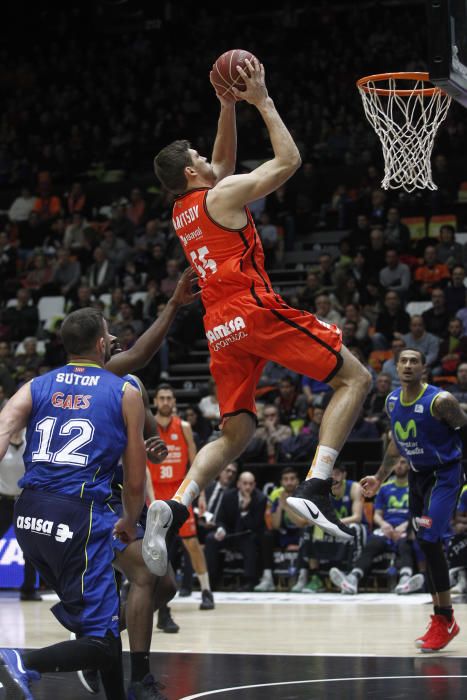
406 126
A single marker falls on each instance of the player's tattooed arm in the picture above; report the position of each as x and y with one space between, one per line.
391 456
447 408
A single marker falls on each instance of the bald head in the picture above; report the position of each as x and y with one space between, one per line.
246 483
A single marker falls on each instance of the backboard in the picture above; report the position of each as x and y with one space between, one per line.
447 35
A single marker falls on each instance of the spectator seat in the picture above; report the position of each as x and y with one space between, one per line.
50 308
416 308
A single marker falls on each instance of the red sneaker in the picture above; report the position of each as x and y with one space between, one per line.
420 640
439 634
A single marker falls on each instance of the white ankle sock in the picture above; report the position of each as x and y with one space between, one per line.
323 462
204 581
267 575
187 492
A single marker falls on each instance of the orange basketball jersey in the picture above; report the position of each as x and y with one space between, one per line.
227 261
173 469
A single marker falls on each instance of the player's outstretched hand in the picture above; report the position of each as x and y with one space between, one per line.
256 91
225 101
156 449
184 293
370 486
125 530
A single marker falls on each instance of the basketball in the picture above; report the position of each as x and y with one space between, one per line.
225 74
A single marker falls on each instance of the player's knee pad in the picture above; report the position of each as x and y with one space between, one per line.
436 563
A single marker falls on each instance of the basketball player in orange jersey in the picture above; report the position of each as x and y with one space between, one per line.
168 475
246 323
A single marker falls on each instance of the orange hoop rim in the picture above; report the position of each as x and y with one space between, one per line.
362 84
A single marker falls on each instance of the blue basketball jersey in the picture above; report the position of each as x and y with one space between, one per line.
422 439
462 503
76 433
393 500
343 506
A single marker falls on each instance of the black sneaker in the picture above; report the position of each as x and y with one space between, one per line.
147 689
165 621
164 519
29 596
207 600
89 679
184 593
312 501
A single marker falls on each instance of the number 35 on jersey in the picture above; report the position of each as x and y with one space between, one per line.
203 264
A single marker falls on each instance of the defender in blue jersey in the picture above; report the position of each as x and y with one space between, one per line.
146 592
428 428
80 419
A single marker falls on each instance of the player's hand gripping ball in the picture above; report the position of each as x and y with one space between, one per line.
224 75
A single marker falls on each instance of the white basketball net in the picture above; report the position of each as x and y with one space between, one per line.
407 126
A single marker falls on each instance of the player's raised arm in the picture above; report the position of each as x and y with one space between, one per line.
150 341
371 484
134 464
14 416
224 152
238 190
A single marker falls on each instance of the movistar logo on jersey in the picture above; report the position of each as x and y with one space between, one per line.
342 512
404 433
398 503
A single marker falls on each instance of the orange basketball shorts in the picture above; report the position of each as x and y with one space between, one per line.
247 331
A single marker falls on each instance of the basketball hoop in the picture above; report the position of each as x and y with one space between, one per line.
406 121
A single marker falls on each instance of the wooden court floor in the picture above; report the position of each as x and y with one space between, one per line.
255 646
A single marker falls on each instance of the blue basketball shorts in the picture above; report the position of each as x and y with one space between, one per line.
433 495
115 507
69 542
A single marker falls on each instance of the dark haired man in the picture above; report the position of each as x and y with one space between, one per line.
428 428
61 522
246 323
167 476
284 525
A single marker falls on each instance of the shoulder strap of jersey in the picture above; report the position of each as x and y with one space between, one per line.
392 394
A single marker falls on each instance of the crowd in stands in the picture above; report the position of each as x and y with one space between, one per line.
85 98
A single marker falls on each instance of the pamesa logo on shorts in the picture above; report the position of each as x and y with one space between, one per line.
44 527
226 333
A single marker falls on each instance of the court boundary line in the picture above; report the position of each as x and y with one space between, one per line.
356 655
308 681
